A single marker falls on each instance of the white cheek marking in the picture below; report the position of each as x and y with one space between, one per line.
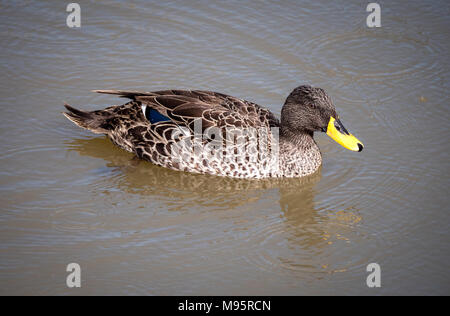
143 107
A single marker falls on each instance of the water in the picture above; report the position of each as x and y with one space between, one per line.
70 196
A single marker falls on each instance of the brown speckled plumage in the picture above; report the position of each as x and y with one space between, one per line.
306 110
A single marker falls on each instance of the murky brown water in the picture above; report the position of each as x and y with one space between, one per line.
69 196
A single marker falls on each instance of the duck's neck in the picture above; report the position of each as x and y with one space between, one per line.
299 153
303 140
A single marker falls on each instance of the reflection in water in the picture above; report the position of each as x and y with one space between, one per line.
294 220
147 179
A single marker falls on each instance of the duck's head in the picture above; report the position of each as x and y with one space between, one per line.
308 110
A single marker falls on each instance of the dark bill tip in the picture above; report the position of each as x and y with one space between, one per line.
360 146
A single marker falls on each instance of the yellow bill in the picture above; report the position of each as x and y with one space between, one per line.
338 132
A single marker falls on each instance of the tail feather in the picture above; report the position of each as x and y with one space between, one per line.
87 120
77 112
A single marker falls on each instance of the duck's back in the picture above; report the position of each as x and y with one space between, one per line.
194 131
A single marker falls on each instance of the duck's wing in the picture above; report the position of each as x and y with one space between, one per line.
159 138
184 107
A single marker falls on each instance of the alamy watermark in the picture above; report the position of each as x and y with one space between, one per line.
374 278
74 17
374 18
215 146
73 280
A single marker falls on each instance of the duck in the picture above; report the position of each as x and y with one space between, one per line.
213 133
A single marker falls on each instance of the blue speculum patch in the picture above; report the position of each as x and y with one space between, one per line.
154 116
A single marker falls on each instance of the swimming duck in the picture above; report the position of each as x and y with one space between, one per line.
152 125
